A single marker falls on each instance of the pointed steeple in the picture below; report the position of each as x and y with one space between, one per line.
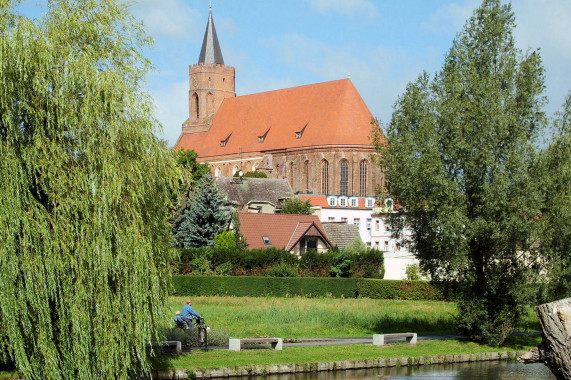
210 52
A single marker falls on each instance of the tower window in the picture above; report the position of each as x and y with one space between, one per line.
196 106
344 180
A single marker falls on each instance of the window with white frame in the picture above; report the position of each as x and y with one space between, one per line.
377 225
368 224
343 202
331 219
332 201
370 202
354 202
344 220
357 221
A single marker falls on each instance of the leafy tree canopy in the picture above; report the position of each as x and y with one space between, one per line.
460 146
84 195
296 206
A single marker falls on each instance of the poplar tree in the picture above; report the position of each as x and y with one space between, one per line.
204 217
554 170
460 148
84 194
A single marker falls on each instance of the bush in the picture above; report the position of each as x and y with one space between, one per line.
395 289
283 270
314 264
369 264
341 266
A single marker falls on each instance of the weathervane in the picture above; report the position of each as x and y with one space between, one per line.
210 4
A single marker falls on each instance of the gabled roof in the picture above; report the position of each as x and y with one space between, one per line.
341 234
283 230
329 113
247 190
210 52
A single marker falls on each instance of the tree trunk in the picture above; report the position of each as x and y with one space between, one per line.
555 347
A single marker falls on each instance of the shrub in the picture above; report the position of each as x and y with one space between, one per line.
314 264
341 266
283 270
369 264
413 272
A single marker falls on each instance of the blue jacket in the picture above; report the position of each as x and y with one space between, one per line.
177 318
188 312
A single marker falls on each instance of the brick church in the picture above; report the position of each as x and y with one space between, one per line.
316 136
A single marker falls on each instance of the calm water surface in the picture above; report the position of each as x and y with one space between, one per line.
464 371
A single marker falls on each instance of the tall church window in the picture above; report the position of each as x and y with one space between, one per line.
363 178
344 178
325 177
291 176
218 172
196 105
306 175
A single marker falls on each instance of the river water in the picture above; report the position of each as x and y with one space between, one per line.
480 370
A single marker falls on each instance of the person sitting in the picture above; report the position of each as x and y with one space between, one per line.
188 313
180 323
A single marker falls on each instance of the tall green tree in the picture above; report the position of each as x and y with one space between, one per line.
554 169
204 218
460 148
84 194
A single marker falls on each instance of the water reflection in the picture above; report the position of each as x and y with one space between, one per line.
463 371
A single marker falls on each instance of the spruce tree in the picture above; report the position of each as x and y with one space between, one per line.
204 218
460 148
84 194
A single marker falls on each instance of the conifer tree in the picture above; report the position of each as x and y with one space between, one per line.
84 194
204 218
460 148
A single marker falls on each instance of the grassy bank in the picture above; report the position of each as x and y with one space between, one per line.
313 354
299 317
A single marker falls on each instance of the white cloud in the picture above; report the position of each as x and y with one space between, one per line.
168 18
344 7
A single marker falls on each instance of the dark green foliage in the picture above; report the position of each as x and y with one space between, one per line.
305 286
398 290
554 170
341 266
316 264
203 219
255 174
296 206
369 264
460 148
238 236
85 191
283 270
186 159
264 286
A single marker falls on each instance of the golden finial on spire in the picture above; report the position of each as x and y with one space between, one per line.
210 4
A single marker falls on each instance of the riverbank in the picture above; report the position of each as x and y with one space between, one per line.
274 369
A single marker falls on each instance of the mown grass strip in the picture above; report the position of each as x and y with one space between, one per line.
314 354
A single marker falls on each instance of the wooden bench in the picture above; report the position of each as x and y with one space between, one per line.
236 344
379 339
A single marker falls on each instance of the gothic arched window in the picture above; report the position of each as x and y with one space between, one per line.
344 178
218 172
324 177
196 105
363 178
306 175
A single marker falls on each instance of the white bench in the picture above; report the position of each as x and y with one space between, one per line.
236 344
379 339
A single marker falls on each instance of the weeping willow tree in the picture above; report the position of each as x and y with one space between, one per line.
84 194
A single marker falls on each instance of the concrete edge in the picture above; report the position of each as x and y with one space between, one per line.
273 369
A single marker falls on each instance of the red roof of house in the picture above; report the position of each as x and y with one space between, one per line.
329 113
283 230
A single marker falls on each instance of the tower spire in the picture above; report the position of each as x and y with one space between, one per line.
210 52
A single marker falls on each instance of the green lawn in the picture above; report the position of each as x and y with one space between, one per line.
312 354
299 317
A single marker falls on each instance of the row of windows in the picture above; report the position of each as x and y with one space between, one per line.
343 201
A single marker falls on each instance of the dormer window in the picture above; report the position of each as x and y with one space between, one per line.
354 202
298 134
370 203
342 202
225 141
332 201
262 138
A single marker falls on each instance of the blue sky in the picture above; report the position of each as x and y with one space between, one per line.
382 44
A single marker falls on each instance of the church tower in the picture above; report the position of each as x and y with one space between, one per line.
210 83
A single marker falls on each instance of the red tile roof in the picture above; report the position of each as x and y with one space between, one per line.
284 230
329 113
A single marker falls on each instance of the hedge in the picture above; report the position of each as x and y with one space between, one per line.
254 286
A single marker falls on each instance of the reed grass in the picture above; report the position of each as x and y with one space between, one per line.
300 317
